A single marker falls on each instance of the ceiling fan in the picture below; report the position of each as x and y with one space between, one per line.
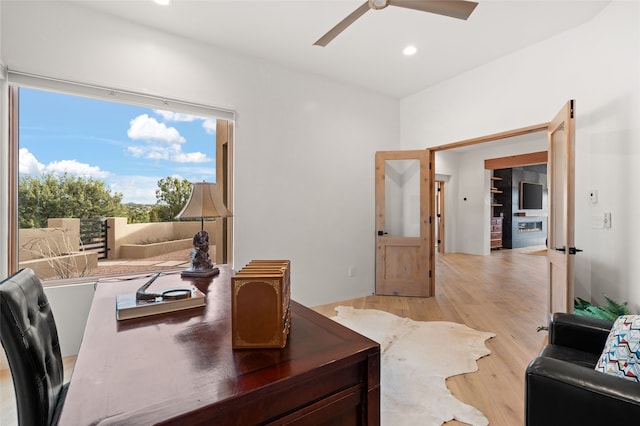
453 8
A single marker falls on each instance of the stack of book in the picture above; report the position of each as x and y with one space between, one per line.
260 304
128 307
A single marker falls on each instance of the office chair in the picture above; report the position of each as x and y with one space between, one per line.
30 340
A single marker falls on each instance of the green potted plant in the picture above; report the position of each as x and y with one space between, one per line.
610 312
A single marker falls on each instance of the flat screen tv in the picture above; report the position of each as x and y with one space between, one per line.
530 196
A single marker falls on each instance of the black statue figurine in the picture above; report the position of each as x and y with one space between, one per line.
201 264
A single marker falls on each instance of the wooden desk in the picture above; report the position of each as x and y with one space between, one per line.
179 368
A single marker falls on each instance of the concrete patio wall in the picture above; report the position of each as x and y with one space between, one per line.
159 234
55 252
143 251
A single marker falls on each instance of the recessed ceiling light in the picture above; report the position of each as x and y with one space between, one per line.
162 2
410 50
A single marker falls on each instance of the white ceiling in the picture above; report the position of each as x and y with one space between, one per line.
369 52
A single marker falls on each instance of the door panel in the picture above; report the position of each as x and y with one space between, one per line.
561 229
402 223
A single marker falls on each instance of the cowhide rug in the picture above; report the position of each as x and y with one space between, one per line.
416 358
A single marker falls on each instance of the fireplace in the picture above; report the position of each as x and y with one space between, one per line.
527 231
530 226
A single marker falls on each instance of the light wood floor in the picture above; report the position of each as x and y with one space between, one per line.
504 293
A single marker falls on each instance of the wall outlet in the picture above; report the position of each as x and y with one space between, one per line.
593 196
606 222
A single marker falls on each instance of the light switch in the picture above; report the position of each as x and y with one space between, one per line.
601 221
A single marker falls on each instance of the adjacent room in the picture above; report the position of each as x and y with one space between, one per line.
342 210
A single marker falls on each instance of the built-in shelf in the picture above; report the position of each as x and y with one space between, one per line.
496 201
496 233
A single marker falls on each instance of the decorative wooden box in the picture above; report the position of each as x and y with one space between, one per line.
260 308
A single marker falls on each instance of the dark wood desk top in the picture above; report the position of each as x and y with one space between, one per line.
179 367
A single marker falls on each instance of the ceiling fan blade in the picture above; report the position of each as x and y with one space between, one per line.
451 8
342 25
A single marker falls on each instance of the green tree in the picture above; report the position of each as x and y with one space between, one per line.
48 196
137 213
172 194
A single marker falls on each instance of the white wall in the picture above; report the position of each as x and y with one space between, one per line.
304 152
598 64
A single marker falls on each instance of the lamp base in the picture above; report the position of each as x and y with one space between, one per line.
200 274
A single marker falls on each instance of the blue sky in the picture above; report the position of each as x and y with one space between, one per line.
128 147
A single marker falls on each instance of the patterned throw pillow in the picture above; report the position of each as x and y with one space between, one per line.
621 355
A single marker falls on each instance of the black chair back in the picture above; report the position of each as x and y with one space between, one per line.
30 340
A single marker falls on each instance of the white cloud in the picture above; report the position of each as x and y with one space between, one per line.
75 168
29 165
191 157
136 151
209 126
176 116
156 154
148 128
169 153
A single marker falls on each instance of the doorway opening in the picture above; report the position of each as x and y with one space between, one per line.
488 141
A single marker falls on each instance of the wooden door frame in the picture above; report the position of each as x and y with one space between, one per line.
543 127
224 180
511 161
492 138
440 208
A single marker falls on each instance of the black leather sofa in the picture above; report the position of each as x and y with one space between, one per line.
563 388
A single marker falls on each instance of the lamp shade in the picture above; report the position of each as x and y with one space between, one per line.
204 201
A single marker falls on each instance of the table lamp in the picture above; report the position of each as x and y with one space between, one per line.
204 201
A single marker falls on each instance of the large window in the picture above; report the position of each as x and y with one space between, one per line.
86 163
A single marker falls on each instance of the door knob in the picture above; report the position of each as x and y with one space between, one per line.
572 250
